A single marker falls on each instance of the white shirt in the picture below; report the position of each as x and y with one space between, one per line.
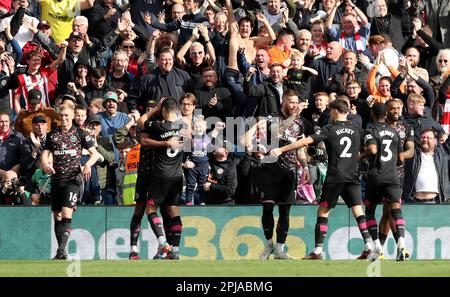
427 179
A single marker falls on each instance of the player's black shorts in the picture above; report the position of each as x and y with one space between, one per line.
165 190
142 187
277 183
65 193
349 191
376 194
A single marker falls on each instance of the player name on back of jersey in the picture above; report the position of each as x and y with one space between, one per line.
386 133
169 134
344 131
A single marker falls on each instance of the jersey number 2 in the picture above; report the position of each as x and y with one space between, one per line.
348 143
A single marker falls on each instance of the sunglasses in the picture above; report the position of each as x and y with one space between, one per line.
445 61
197 53
128 46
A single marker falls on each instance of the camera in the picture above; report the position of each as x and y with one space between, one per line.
18 182
315 152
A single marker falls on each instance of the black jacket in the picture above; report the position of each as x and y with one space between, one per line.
223 177
428 92
223 106
326 69
149 86
419 123
390 25
268 98
186 24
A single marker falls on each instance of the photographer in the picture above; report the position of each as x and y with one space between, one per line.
13 190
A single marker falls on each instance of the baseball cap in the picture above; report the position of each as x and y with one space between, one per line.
110 95
151 104
69 97
34 96
93 119
75 35
39 119
43 24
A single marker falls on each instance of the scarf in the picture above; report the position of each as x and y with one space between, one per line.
357 37
4 136
445 121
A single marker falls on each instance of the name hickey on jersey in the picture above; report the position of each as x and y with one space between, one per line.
344 130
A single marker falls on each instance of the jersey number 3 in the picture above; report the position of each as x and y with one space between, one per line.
387 150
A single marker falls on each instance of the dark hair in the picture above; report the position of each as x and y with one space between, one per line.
208 68
340 105
379 110
98 72
125 145
170 104
435 132
80 107
388 78
246 19
284 32
34 54
165 50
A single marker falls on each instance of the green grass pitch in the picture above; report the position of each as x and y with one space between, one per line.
229 268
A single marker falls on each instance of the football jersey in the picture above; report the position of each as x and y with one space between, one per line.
389 145
291 130
343 142
66 148
167 161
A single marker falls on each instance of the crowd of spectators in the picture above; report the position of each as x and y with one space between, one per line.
115 59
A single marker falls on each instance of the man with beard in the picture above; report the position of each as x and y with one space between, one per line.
279 177
268 93
213 100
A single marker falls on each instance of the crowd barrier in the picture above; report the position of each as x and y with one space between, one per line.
213 233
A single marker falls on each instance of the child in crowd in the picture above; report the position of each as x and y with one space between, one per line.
298 74
196 167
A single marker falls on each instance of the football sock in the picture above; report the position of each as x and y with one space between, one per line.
283 222
371 223
382 238
155 223
399 222
167 228
135 230
320 231
57 229
66 228
361 220
176 227
267 220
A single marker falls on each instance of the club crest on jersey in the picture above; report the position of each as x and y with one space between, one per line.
296 128
219 171
402 134
73 138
